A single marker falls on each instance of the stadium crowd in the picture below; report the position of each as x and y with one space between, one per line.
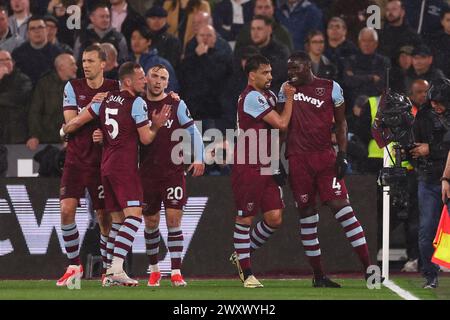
204 46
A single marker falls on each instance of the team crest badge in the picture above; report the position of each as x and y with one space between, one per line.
304 198
250 206
320 91
261 100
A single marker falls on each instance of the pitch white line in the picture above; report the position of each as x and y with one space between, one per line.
401 292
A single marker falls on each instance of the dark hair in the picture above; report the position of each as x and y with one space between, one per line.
301 56
96 47
267 20
127 69
144 32
254 62
249 51
35 18
338 19
445 10
312 34
191 5
97 6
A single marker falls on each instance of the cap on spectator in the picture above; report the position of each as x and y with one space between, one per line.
406 49
422 50
51 18
156 11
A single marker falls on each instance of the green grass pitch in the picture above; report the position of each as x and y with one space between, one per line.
221 289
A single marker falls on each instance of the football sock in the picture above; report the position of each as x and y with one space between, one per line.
71 239
354 233
103 241
260 234
241 240
152 239
310 242
124 241
175 246
110 243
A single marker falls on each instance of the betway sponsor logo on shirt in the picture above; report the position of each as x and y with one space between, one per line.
315 102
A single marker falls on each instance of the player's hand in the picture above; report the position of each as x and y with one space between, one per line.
97 136
99 97
32 143
160 118
197 169
421 150
3 71
175 96
289 91
341 165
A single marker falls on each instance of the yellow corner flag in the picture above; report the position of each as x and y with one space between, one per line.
441 242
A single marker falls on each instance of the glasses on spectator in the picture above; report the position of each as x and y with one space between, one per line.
38 28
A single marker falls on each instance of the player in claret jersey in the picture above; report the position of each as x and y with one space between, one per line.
163 178
253 188
124 122
314 167
82 163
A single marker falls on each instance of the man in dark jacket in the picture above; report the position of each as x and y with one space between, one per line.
228 20
431 130
364 72
440 44
100 31
45 117
396 31
35 57
168 46
203 74
124 18
422 67
276 52
15 89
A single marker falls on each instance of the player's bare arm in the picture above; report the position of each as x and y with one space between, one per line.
77 122
148 134
281 121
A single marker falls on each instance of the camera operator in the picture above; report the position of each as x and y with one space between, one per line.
431 150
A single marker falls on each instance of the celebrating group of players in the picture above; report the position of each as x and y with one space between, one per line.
107 124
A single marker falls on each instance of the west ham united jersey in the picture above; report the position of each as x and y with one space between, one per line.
120 114
156 158
81 149
252 107
312 116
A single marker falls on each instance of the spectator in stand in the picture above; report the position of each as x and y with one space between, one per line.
19 19
59 10
220 45
203 74
112 66
440 44
320 65
429 21
364 72
422 67
36 56
234 86
276 52
141 40
396 32
52 30
300 17
45 116
100 31
168 46
124 18
338 47
354 13
400 69
8 40
15 89
230 16
279 32
180 17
